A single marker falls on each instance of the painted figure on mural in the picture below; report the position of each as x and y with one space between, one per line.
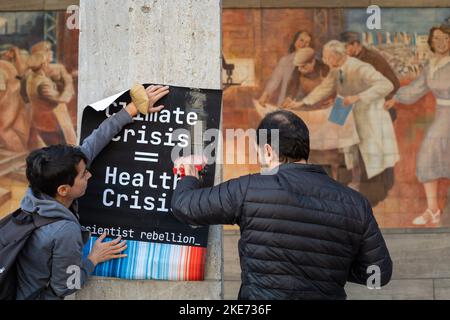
376 188
18 57
307 75
365 88
355 49
327 139
64 84
44 98
433 159
36 94
284 70
310 73
14 118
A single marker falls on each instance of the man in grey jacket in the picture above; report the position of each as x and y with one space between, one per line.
58 175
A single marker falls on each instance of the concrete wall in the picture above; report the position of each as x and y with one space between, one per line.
176 43
27 5
421 260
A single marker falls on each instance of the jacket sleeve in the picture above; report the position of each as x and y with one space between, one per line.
101 136
221 204
372 252
69 270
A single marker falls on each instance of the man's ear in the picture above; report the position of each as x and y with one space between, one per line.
63 190
268 151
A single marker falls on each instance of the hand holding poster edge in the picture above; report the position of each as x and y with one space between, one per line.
190 166
154 94
144 99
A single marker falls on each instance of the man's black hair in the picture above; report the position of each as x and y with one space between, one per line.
292 132
53 166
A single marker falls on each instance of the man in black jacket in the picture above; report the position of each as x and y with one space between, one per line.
303 235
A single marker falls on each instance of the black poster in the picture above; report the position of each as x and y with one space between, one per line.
129 193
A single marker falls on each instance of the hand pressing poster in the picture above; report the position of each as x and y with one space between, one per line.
132 182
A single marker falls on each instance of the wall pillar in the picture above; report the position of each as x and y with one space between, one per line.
168 42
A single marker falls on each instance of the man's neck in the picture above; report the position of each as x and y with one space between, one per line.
64 201
276 164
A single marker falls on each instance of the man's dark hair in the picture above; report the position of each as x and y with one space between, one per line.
53 166
293 135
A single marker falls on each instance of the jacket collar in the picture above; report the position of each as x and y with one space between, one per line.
48 207
299 166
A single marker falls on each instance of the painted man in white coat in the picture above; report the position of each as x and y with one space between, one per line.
365 88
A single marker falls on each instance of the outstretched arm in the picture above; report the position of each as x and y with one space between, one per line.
221 204
414 91
110 127
107 130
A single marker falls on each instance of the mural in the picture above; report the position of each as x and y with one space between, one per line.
38 81
393 144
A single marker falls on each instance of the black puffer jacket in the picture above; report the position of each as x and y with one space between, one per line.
303 235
